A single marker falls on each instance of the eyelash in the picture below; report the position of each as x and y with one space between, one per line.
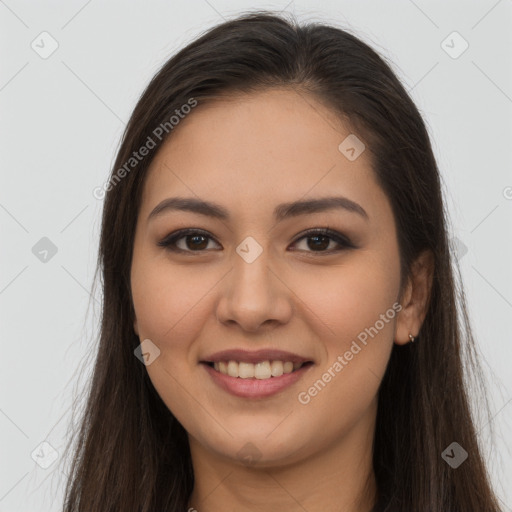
169 242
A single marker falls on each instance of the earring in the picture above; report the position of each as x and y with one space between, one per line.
411 337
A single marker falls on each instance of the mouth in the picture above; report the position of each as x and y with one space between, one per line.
257 374
268 369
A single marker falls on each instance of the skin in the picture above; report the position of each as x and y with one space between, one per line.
250 153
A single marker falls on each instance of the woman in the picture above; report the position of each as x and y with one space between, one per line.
279 325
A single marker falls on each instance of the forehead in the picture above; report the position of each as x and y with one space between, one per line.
252 150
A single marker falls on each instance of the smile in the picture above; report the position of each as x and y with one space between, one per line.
256 380
261 370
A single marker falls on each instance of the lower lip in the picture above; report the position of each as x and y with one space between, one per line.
255 388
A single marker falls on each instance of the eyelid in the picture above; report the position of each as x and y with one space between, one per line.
342 240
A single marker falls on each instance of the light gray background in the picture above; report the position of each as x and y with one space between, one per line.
61 122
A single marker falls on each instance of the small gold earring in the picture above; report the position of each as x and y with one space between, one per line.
411 337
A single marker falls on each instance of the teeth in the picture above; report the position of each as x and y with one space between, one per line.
276 368
288 367
232 369
261 370
245 370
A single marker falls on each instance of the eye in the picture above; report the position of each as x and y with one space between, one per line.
321 239
196 240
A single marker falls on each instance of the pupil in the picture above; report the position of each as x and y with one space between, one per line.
321 245
195 238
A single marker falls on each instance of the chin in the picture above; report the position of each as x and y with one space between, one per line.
260 446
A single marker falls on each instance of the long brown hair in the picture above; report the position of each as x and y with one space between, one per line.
129 452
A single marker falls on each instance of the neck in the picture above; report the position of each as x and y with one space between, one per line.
339 477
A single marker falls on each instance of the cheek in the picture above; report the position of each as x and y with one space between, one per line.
171 308
356 302
168 301
351 297
346 384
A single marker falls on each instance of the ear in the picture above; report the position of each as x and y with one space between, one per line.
415 298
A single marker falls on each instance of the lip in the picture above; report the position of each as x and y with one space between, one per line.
255 388
255 356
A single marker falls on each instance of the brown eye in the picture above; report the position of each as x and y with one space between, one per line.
194 241
318 240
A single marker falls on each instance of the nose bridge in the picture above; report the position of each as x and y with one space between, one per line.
252 294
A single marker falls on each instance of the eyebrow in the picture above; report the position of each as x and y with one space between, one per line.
281 212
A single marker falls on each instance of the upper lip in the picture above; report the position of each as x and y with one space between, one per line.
254 356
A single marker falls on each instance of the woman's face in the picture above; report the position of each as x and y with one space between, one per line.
253 282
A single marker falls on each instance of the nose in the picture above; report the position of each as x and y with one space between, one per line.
254 296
